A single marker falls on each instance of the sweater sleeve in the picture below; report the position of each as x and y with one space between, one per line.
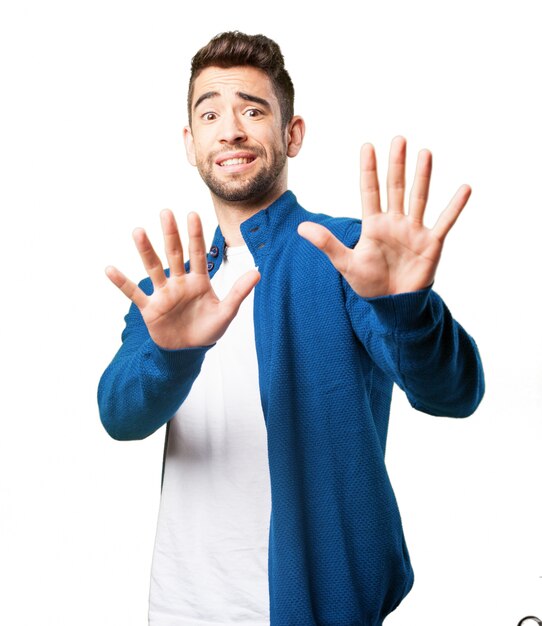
144 385
414 339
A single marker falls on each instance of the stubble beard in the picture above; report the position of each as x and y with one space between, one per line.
244 187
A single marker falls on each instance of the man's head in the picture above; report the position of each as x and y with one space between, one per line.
238 49
242 127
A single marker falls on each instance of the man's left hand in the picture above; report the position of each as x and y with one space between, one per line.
396 253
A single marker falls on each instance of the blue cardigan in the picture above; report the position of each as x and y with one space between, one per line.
327 362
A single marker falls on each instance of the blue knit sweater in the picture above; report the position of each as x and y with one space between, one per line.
327 362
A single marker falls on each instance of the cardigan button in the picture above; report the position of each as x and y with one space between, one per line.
214 251
210 266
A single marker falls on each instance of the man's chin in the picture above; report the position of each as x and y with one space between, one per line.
239 196
241 193
243 189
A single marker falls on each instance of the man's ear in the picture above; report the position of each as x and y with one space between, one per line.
189 145
295 134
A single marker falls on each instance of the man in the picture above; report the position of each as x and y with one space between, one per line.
275 383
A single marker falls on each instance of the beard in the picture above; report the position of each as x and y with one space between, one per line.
244 187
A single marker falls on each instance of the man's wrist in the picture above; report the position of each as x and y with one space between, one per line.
403 311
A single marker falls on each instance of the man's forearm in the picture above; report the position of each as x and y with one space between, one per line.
415 340
144 385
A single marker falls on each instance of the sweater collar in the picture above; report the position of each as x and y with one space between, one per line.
259 230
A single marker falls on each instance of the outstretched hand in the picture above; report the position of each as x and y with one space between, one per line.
183 311
396 253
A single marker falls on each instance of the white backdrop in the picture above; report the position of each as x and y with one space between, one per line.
92 112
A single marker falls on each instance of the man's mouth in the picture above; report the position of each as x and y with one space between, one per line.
235 159
239 161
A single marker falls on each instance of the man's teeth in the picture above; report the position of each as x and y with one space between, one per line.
236 161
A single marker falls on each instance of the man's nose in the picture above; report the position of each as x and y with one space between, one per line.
232 130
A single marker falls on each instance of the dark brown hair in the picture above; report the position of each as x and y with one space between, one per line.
234 48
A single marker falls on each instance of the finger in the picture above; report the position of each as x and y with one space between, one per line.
396 175
325 241
196 244
370 191
420 188
128 288
172 241
240 290
150 259
450 214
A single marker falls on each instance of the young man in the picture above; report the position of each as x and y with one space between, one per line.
275 383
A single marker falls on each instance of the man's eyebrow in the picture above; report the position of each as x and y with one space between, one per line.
257 99
205 96
240 94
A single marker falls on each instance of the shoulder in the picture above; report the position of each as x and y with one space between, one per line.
298 258
346 229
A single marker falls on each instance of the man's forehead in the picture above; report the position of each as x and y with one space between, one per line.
243 78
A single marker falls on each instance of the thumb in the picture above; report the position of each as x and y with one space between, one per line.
325 241
240 290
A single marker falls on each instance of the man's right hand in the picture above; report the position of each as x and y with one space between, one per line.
183 311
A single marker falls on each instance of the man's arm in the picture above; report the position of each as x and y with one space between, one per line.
414 339
144 384
174 319
388 275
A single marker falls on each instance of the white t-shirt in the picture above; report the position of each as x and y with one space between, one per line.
210 556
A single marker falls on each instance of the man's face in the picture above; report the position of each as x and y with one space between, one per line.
236 140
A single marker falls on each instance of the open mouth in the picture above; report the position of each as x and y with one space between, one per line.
236 161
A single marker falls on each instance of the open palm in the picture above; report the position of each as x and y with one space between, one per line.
183 311
396 253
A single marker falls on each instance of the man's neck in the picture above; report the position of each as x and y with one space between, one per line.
231 215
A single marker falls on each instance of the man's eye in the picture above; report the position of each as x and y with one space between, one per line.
208 117
253 113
